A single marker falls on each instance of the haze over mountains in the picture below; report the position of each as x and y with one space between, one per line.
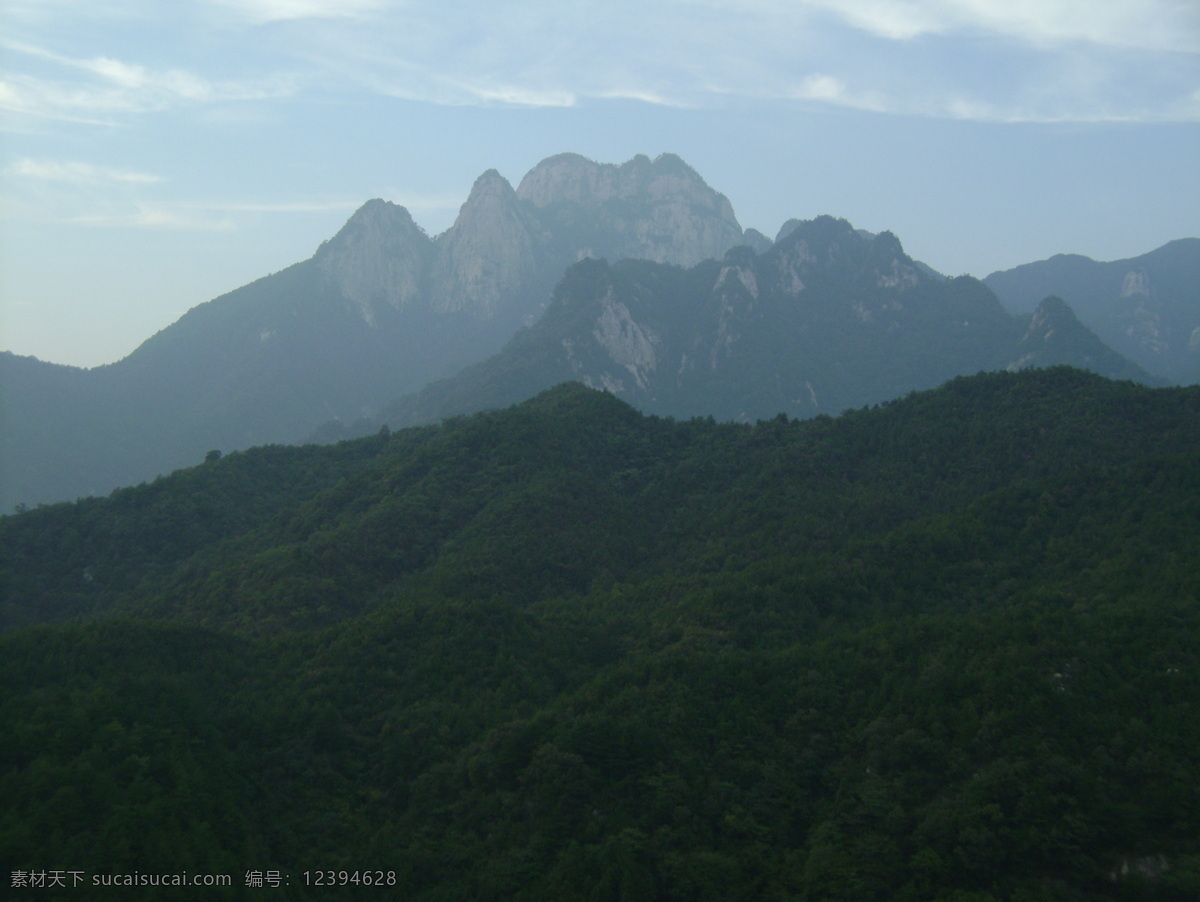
940 647
1147 307
827 319
705 318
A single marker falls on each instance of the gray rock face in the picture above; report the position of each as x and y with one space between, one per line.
828 318
489 255
1147 307
1055 335
1140 314
505 251
658 210
507 248
380 258
627 343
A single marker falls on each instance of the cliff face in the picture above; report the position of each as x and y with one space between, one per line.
380 258
489 255
658 210
505 251
1147 308
829 318
380 310
507 248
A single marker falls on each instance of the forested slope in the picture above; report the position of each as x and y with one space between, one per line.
941 649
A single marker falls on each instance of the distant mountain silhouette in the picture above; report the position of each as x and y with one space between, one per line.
692 316
1147 307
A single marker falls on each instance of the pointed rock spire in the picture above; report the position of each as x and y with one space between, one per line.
379 258
488 254
1056 336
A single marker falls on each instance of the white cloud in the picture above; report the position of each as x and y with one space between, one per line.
644 95
1172 25
116 87
518 96
82 173
904 56
827 89
286 10
115 71
148 217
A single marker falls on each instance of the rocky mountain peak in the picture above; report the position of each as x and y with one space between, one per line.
821 230
887 244
572 178
489 252
1056 335
490 186
1051 321
892 268
806 247
1050 311
378 258
565 178
647 209
755 239
375 219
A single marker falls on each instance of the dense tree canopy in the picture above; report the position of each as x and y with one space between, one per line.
942 649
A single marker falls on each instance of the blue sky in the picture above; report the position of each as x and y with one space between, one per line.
154 155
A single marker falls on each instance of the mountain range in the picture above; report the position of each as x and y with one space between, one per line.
1146 308
828 318
635 277
379 310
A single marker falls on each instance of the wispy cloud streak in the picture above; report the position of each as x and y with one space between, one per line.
82 173
108 87
151 217
292 10
1033 60
1160 25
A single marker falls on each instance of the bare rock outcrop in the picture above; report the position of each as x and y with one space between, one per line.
379 258
659 210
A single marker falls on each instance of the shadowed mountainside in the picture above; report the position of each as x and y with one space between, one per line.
1146 308
828 319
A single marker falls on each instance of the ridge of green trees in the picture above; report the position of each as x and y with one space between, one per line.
945 648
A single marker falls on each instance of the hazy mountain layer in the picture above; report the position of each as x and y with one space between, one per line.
1147 308
827 319
380 309
830 320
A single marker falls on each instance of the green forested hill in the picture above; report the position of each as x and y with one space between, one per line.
941 649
